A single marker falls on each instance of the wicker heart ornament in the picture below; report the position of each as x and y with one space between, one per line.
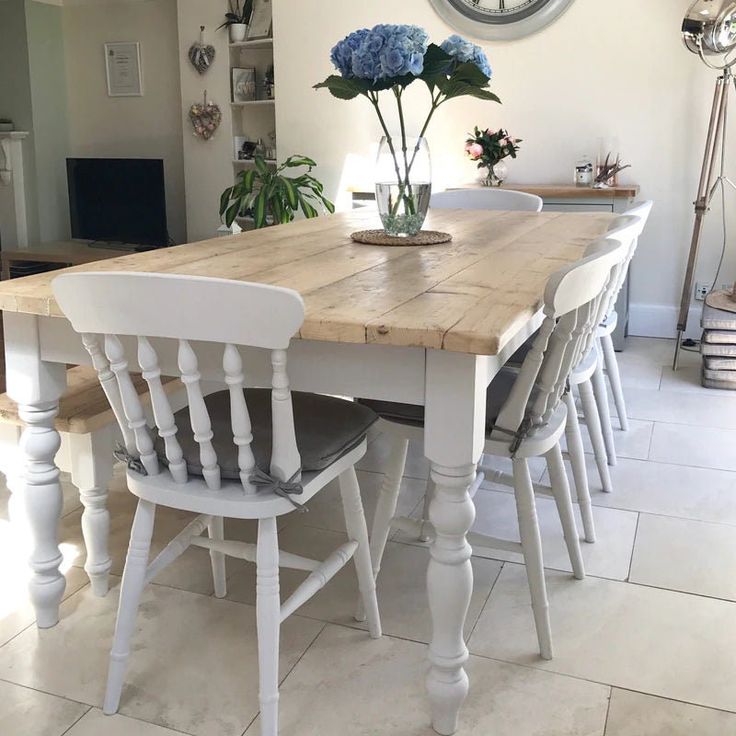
201 54
205 118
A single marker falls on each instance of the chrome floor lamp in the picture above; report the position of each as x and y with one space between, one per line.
709 30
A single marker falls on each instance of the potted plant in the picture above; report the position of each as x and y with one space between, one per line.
237 19
489 148
267 195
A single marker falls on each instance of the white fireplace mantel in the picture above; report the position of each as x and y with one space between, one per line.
13 212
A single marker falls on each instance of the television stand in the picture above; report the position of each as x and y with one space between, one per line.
39 257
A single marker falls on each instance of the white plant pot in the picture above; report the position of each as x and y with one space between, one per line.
238 32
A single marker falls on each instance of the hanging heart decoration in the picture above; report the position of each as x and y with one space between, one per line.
205 118
201 54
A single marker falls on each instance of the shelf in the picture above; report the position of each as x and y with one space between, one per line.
254 103
251 162
261 43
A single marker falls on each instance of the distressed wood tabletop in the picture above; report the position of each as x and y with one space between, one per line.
471 295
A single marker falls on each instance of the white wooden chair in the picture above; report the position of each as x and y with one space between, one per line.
87 427
235 453
609 324
486 199
525 417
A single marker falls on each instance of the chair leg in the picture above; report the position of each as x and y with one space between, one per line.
579 472
268 617
593 422
92 468
216 530
604 412
134 580
614 378
531 542
358 532
563 499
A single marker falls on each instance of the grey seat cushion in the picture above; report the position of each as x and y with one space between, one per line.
413 415
326 428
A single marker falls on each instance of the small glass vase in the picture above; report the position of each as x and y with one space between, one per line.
403 185
496 175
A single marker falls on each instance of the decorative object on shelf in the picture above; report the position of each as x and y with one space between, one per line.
381 237
243 84
123 69
201 54
584 171
390 58
244 149
608 172
261 21
205 118
237 20
269 84
489 148
269 196
500 20
6 125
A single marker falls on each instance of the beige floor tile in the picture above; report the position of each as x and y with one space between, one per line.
193 666
669 490
609 557
95 723
654 641
703 447
634 714
638 371
25 712
402 595
691 556
656 351
349 685
378 453
632 444
688 408
687 379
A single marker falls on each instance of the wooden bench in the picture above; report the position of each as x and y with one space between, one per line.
89 433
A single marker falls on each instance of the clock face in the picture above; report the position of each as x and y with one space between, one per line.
500 19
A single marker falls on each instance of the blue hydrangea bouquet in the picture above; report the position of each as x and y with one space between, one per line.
389 58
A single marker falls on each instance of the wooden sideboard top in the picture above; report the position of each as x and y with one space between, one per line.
567 191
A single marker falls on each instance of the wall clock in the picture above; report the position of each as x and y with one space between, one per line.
500 20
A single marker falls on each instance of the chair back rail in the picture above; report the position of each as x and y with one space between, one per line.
187 309
574 299
486 199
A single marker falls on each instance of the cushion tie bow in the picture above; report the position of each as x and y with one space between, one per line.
284 488
132 462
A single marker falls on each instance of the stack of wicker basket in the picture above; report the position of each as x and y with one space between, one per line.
718 346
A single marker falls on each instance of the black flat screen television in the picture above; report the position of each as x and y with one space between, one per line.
118 200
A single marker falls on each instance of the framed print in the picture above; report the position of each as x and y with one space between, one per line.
260 21
123 69
244 84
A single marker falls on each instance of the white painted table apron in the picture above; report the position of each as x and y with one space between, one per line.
451 385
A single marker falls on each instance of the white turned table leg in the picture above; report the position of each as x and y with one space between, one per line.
449 587
92 468
36 387
453 441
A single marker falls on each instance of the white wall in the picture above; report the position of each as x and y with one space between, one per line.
604 69
148 126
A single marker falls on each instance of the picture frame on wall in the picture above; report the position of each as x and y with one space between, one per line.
123 69
243 84
261 20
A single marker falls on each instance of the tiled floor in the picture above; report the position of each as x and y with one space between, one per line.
643 647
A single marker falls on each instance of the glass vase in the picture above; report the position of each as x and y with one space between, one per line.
403 184
496 175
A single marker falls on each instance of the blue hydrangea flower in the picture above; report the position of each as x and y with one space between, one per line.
465 51
384 52
342 53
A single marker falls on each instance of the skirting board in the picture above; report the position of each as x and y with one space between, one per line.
660 320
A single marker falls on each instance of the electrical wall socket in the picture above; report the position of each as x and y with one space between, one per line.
702 289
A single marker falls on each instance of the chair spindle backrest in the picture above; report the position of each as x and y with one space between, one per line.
187 310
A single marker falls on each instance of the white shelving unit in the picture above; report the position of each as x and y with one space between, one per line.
255 119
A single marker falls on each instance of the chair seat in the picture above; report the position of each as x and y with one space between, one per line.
413 416
326 429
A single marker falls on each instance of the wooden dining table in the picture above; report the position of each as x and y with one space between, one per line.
424 325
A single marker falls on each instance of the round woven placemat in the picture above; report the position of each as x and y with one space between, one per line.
722 299
379 237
